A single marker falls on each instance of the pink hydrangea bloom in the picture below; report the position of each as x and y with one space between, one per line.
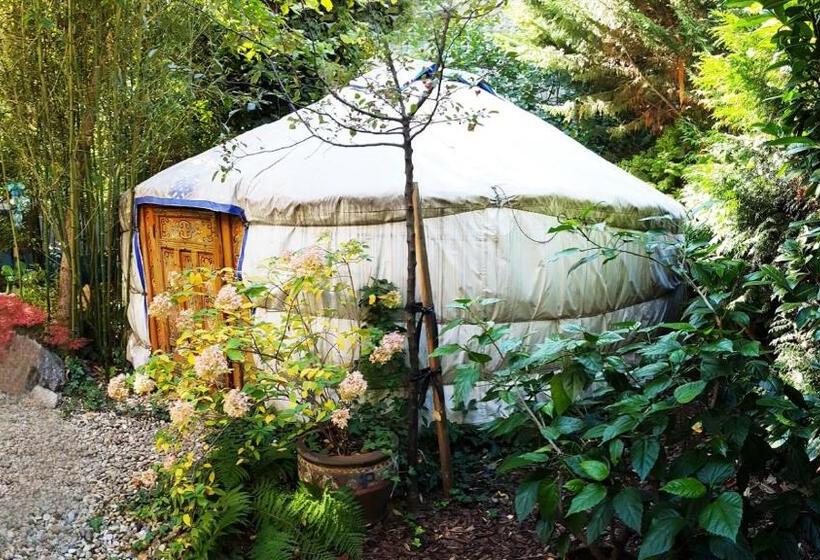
185 320
236 404
352 386
181 413
211 364
308 262
390 345
144 479
118 388
160 306
143 384
228 300
340 418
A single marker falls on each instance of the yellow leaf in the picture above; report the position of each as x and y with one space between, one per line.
186 519
372 299
212 477
328 4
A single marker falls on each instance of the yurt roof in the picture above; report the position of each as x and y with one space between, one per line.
280 173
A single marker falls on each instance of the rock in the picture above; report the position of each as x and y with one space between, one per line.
26 363
51 370
44 397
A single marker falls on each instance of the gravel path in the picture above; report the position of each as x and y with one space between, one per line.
63 481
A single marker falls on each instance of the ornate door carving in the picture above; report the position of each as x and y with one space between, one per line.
176 239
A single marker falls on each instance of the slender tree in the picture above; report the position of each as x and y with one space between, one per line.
391 110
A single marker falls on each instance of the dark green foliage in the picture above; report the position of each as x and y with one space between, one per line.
81 391
665 163
793 278
797 41
669 429
627 60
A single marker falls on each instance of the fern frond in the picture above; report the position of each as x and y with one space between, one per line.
272 543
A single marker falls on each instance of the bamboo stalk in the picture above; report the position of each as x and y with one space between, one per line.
431 334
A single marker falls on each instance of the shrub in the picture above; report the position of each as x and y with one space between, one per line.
16 315
678 440
227 481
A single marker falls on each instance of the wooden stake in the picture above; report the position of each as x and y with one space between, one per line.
431 331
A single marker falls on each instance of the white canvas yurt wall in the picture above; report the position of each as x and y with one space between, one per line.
490 195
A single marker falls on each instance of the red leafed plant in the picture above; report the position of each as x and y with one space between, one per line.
17 314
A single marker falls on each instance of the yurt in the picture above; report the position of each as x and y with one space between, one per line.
490 189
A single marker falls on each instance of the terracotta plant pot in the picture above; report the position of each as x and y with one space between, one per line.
367 474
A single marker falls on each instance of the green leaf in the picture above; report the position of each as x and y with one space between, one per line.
525 498
521 460
616 450
235 355
575 485
724 549
750 348
722 517
451 325
467 375
549 499
596 470
687 392
599 521
544 529
621 425
568 424
629 508
661 535
559 395
715 472
478 357
445 350
644 455
589 497
685 488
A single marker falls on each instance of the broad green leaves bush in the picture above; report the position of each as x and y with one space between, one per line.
673 441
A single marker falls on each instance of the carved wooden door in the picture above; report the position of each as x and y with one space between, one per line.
177 239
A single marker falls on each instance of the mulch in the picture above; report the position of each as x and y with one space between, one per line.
477 524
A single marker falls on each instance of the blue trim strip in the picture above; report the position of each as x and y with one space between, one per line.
241 259
185 203
138 255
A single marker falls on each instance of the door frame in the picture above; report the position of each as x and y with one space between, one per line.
182 204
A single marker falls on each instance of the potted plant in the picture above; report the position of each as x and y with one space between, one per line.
298 333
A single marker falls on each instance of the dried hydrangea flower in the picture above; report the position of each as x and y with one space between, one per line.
211 364
236 404
169 461
175 280
340 417
352 386
390 345
309 262
118 388
185 320
181 413
143 384
228 300
144 479
160 306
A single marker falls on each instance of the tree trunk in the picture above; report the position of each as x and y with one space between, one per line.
411 382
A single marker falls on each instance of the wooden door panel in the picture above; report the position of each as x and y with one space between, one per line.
178 239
